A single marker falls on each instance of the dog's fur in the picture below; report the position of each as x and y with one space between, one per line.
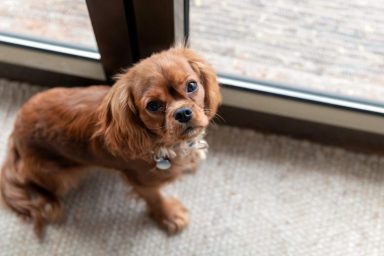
61 131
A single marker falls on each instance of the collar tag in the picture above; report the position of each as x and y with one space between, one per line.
162 163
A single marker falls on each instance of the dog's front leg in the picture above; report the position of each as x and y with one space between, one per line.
168 212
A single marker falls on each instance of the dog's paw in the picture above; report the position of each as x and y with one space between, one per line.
52 212
172 216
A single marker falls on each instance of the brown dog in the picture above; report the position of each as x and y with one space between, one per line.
148 126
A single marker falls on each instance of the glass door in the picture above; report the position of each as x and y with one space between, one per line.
310 60
60 22
323 47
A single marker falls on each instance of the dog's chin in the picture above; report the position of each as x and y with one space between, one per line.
181 134
190 132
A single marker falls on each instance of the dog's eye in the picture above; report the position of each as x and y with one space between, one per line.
154 106
191 86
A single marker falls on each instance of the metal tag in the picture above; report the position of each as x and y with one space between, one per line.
163 164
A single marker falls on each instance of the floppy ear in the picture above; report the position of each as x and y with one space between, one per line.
207 77
119 124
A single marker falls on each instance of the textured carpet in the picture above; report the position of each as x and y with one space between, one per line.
256 194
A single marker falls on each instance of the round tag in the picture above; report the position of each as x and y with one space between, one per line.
163 164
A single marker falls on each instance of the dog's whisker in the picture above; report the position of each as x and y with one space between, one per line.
220 117
213 123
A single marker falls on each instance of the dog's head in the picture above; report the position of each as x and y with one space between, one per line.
168 98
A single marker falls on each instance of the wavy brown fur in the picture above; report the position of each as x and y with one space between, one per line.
61 131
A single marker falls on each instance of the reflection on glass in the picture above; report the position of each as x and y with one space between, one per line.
64 21
329 46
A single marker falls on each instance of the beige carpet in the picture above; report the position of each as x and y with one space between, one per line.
255 195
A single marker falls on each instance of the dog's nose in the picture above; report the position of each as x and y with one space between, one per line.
183 115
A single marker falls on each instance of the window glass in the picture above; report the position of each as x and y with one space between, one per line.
334 46
63 21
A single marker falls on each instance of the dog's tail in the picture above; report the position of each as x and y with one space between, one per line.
27 199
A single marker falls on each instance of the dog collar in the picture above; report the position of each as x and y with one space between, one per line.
164 156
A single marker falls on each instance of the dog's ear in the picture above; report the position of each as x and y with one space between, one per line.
119 123
207 77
